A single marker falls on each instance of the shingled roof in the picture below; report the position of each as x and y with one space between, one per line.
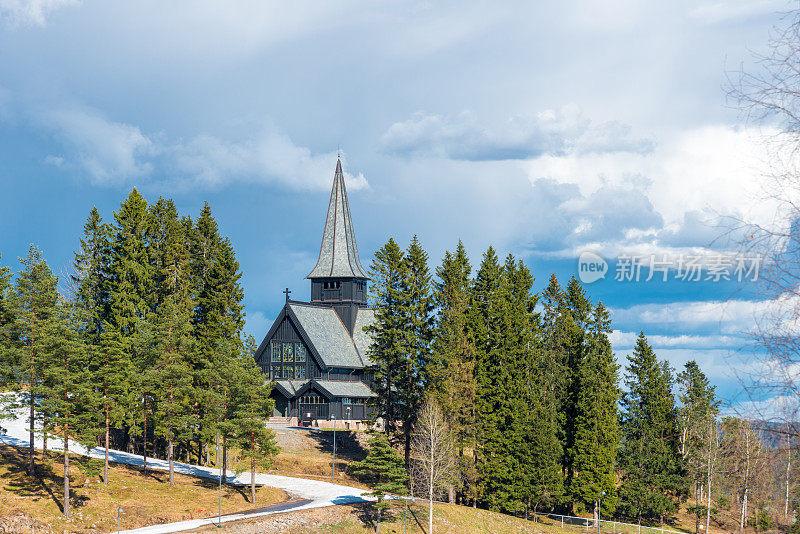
338 254
330 338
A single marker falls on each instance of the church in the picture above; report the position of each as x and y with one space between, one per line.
317 352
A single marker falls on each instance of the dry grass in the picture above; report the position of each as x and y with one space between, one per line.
360 519
145 499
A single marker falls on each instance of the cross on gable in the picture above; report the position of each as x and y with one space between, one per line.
286 292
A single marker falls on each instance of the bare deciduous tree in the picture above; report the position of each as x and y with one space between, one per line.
434 463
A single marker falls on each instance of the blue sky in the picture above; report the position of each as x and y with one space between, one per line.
542 128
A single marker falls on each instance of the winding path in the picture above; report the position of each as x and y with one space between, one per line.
314 493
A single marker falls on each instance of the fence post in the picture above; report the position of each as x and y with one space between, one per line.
614 528
587 526
562 522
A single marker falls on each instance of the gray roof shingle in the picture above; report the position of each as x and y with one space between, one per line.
345 389
329 336
338 253
362 339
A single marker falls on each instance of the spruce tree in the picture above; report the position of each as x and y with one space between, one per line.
33 303
93 271
653 479
452 370
384 471
594 426
499 388
130 309
417 321
388 272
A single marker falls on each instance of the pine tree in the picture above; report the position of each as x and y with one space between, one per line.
653 479
595 433
170 378
388 271
253 408
66 392
8 342
33 303
384 471
417 320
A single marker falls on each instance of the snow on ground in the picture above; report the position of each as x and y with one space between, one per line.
317 492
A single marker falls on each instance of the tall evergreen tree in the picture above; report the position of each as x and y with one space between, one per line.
8 341
93 269
653 477
595 434
384 471
252 407
452 369
388 272
170 378
66 393
33 302
417 325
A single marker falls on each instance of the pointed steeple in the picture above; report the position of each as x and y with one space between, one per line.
338 254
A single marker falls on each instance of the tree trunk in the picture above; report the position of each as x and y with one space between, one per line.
170 446
253 480
430 495
44 441
105 465
451 494
596 515
708 475
32 420
66 475
788 469
144 446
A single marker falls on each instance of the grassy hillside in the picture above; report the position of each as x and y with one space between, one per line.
36 502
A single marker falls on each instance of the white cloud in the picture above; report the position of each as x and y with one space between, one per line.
108 151
30 12
715 12
626 340
464 137
733 317
111 152
269 157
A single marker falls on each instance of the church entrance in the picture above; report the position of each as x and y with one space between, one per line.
312 406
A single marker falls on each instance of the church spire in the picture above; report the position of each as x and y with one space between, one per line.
338 254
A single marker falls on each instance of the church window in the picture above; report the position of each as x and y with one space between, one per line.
346 400
288 352
276 352
276 372
299 352
312 399
300 371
